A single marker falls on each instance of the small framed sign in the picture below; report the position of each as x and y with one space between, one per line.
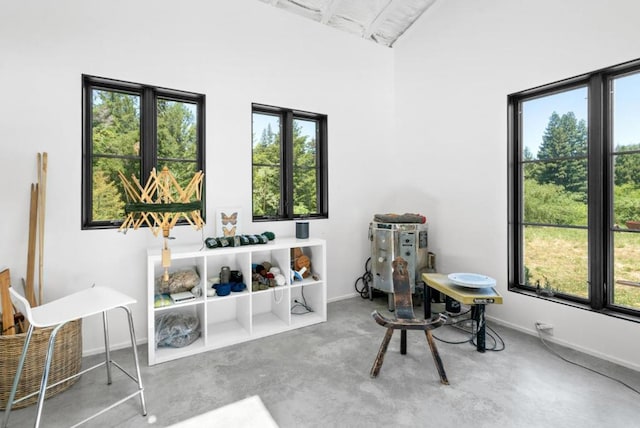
228 221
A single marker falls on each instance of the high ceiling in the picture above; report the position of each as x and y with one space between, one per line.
382 21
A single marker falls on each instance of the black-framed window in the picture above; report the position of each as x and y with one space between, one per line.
574 190
289 164
133 128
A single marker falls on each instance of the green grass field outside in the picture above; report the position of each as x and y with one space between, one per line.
557 258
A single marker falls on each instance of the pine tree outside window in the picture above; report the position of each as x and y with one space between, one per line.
133 128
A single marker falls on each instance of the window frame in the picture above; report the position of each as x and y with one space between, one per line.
149 96
600 177
287 116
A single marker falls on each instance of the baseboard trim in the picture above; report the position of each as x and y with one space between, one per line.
552 339
343 297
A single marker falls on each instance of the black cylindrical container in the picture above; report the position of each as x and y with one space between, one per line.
302 229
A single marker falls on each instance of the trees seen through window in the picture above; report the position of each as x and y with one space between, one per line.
132 128
575 190
289 164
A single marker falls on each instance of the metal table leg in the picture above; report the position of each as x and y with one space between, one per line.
477 312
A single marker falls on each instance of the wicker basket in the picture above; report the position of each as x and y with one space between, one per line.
67 361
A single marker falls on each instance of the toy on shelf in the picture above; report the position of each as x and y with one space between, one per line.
300 264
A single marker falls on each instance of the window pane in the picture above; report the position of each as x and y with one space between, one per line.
266 139
266 191
626 288
182 171
554 175
177 130
304 143
267 179
555 126
305 167
554 163
626 190
626 141
626 110
551 201
556 259
115 127
109 198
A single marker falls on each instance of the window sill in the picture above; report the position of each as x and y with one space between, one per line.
577 305
265 219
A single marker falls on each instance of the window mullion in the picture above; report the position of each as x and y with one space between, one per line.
148 133
87 179
323 191
515 200
287 164
606 163
598 219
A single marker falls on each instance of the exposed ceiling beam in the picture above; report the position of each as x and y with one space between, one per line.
424 9
328 10
379 19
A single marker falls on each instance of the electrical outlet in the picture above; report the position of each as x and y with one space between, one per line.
544 327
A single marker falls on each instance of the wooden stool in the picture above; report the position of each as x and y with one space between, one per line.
406 320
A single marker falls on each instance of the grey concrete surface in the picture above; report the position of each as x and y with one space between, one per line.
318 376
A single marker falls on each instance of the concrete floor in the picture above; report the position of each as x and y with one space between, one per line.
319 377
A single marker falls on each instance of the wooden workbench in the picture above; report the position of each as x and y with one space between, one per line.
477 298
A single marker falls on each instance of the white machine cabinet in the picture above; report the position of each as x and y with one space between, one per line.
391 240
246 315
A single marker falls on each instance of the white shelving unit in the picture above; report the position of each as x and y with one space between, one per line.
247 315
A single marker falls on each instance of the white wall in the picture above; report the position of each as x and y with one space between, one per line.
453 71
236 52
445 157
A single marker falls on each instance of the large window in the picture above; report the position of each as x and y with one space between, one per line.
289 164
574 190
133 128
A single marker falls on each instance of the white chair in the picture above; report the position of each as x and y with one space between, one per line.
56 314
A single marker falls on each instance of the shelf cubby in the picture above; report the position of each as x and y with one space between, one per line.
313 295
270 310
228 319
166 353
277 258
